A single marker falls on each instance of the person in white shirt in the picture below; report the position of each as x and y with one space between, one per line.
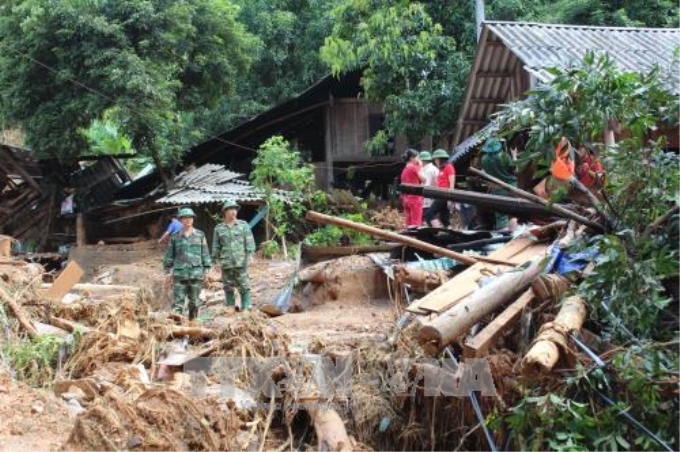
431 172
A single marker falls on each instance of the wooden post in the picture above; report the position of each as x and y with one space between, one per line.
387 235
535 198
452 324
81 237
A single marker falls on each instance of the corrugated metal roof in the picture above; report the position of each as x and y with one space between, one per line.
472 141
540 46
510 52
212 184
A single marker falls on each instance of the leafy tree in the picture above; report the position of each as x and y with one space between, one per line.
65 62
407 61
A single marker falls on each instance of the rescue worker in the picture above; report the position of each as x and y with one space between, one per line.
431 172
188 258
500 165
233 244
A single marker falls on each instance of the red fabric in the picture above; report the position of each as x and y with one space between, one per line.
589 164
410 174
413 210
444 174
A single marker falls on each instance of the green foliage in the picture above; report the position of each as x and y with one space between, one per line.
378 145
270 249
153 62
34 361
407 62
105 138
278 167
331 235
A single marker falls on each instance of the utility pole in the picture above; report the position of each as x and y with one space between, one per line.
479 15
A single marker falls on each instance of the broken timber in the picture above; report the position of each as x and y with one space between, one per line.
415 243
18 313
537 199
480 343
517 251
505 204
65 281
435 335
552 342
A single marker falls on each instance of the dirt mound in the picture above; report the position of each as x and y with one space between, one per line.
159 419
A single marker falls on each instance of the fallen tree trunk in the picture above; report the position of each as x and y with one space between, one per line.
19 314
98 289
537 199
496 203
419 279
415 243
329 427
453 323
194 332
552 343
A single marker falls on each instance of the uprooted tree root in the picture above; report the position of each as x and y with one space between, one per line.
159 419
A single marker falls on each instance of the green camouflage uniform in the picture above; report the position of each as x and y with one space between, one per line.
232 247
189 259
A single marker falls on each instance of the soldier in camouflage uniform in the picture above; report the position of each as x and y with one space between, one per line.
188 257
233 243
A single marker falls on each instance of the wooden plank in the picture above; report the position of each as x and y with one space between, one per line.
65 282
450 293
479 345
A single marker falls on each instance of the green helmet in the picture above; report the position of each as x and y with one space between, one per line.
230 203
492 145
425 156
185 212
440 154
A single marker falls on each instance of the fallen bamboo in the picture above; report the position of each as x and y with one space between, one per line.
537 199
453 323
415 243
98 289
19 314
68 325
504 204
552 343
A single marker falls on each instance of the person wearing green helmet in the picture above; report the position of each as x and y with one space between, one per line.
233 244
187 260
500 165
446 178
431 172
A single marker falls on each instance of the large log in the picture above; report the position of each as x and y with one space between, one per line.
329 427
419 279
452 324
387 235
505 204
19 314
552 343
537 199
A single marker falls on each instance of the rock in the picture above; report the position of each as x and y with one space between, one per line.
37 407
74 407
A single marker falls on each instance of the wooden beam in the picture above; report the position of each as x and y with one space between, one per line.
20 169
493 74
479 345
65 281
484 100
409 241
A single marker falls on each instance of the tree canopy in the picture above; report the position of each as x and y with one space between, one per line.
152 64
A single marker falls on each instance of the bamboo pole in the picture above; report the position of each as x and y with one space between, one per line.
415 243
453 323
535 198
19 314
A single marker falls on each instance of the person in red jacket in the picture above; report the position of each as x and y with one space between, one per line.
412 174
445 179
589 171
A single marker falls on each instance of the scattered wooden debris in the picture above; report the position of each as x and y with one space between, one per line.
552 343
65 282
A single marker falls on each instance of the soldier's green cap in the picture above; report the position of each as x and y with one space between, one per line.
185 212
230 204
425 156
440 154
